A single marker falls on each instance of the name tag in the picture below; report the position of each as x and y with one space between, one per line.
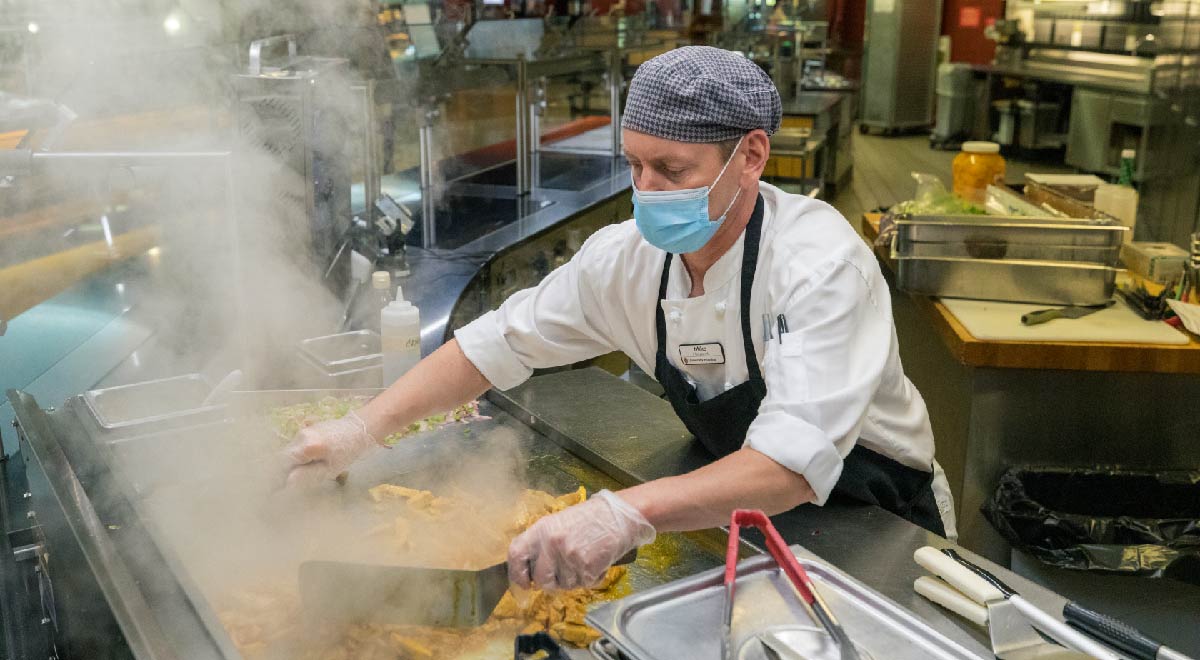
702 353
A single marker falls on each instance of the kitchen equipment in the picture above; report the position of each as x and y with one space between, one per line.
151 577
796 643
1158 262
1017 628
221 392
413 595
899 64
1118 633
1102 627
1073 312
1010 258
346 592
1000 321
527 647
346 359
1031 231
955 103
1002 200
683 619
817 607
1037 124
151 404
1048 282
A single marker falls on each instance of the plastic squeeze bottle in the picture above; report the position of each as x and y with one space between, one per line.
400 330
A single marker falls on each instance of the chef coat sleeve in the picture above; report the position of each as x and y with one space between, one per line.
822 377
549 325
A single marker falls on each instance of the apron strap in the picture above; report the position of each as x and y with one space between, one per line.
749 266
660 321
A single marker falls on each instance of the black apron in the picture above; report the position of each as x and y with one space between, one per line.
720 423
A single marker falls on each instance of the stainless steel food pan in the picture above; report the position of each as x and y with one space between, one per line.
683 619
1009 280
971 230
1100 256
151 402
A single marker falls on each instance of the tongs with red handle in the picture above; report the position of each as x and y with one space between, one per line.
816 606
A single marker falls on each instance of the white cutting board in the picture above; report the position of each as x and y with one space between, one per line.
1118 324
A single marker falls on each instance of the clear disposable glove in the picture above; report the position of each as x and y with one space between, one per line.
574 547
321 452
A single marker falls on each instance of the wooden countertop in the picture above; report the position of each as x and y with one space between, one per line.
1079 356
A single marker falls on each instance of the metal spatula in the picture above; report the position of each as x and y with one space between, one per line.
344 591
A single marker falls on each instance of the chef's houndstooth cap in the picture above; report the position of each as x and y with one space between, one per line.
701 94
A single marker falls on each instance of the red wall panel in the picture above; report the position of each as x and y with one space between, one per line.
964 21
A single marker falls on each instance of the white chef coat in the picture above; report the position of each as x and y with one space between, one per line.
836 378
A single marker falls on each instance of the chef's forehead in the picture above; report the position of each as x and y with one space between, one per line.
701 94
643 147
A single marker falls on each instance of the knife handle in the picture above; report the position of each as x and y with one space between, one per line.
1113 631
970 584
951 599
1040 316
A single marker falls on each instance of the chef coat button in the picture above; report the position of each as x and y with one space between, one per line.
720 309
676 317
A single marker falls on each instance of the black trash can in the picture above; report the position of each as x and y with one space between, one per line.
1110 520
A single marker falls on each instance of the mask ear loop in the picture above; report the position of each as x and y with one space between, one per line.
728 161
738 193
731 203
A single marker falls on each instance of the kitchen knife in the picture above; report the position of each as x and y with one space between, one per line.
1011 633
1040 620
1119 634
1072 312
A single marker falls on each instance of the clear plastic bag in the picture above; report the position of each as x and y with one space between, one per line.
931 198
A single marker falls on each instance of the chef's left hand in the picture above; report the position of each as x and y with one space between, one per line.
574 547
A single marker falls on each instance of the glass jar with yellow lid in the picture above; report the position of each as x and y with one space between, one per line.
977 166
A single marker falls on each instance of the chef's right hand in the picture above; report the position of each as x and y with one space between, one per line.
319 453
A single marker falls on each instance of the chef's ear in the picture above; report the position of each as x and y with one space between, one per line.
757 147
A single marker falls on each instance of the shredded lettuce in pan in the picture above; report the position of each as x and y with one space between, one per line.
288 420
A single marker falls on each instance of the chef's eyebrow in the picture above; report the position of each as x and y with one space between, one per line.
666 162
671 163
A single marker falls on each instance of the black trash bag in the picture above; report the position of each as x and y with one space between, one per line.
1117 521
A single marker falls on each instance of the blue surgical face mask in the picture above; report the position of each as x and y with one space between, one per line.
678 221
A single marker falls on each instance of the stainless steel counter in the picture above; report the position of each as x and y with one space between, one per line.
574 427
812 103
645 441
1076 77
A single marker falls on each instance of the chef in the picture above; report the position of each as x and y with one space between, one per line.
762 314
